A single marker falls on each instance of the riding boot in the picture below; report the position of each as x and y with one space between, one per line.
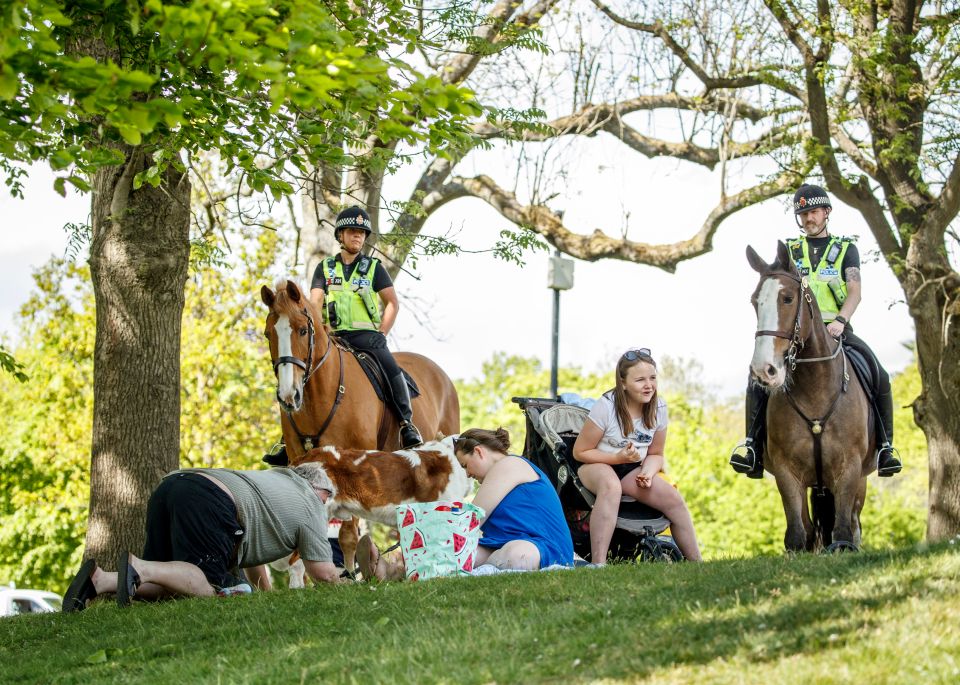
277 456
409 435
888 458
747 457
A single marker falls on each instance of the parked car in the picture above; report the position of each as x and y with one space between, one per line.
14 601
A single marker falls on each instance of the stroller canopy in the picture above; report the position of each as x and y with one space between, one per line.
558 419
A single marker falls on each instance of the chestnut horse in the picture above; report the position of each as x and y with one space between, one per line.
820 433
326 398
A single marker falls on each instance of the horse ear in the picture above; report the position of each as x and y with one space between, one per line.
267 296
293 291
783 258
758 264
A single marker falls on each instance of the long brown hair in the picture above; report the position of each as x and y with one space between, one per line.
498 440
648 415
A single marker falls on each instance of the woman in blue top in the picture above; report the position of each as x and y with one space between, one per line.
524 526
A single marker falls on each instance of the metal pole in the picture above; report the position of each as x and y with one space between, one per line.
555 346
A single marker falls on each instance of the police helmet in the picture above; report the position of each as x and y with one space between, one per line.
810 197
352 217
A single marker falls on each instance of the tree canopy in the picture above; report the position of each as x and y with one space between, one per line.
275 87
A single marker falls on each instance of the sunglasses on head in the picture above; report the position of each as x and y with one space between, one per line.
634 355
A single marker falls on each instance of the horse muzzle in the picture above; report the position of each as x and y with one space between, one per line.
290 402
768 374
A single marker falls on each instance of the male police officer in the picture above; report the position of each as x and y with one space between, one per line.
349 282
836 284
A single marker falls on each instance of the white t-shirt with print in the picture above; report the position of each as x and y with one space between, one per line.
604 415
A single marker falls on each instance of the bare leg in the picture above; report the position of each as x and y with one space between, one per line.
516 554
166 578
602 481
666 498
258 577
379 567
104 581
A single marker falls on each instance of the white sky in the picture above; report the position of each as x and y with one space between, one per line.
479 305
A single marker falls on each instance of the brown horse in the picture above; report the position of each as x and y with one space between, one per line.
325 396
819 424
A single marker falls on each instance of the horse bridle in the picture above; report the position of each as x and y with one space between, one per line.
306 366
308 441
796 342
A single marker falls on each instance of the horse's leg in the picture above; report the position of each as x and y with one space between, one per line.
857 508
792 494
349 537
810 533
848 500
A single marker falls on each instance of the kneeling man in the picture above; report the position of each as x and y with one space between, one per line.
202 524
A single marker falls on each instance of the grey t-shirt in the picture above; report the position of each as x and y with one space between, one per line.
279 512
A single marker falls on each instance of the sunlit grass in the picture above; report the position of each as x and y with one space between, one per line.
872 617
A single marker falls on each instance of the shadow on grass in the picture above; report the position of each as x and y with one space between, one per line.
570 626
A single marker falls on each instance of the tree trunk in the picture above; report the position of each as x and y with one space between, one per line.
932 288
139 256
940 421
937 412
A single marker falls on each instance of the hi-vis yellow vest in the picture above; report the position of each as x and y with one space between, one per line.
354 300
829 297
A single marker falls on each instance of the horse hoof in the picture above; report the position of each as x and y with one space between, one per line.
842 546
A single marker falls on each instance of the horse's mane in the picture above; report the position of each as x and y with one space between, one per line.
285 305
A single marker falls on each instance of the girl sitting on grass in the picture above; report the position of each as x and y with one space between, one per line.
524 527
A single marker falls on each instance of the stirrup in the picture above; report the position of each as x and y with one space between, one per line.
892 463
744 458
409 436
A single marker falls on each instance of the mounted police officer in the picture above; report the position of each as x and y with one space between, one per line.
835 281
349 283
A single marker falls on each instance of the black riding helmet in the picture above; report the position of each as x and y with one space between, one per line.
352 217
810 197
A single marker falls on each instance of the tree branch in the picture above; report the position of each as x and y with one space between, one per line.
946 207
599 245
791 30
710 82
460 67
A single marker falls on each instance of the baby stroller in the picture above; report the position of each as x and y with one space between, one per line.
552 428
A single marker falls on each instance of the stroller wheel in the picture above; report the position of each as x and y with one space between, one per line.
660 548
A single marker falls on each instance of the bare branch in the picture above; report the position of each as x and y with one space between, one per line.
791 30
947 206
599 245
460 67
710 82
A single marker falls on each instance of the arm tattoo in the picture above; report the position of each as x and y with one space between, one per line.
853 274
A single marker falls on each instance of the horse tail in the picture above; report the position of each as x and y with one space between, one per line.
824 510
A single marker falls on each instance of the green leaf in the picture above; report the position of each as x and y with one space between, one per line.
98 657
9 83
80 183
60 185
130 134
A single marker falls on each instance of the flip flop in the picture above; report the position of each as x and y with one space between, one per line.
128 580
81 588
368 558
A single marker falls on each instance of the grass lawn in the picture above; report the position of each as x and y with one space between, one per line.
868 618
